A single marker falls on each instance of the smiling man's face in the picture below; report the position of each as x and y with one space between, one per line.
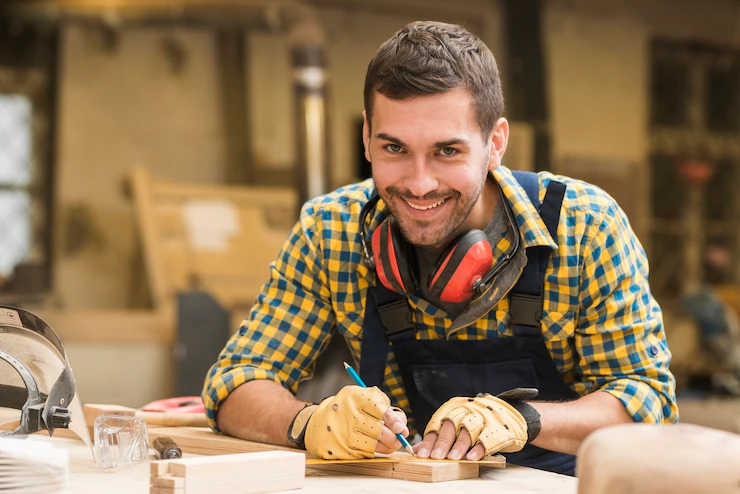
430 164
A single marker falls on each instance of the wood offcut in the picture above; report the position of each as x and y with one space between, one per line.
247 473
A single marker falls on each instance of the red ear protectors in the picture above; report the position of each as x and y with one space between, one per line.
458 268
464 263
461 271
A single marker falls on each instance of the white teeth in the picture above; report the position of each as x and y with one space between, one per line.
425 208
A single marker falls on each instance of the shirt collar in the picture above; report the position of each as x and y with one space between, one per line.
531 227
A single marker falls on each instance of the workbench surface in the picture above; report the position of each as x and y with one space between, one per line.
86 477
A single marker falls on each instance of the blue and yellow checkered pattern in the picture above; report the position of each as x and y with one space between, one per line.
601 325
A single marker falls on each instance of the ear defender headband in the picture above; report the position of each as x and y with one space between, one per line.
462 270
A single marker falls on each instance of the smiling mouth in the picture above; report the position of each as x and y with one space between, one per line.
426 208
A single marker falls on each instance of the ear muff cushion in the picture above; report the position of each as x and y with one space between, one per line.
393 258
467 259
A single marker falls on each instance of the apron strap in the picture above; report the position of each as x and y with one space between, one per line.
526 297
392 311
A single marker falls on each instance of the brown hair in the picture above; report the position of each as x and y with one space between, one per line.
433 57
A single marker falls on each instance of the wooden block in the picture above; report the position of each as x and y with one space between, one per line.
153 489
162 419
167 482
266 471
158 468
173 419
93 411
421 471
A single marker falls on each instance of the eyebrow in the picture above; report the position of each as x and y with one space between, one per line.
387 137
437 145
451 142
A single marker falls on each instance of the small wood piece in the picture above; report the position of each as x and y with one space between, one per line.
422 471
94 410
266 471
174 419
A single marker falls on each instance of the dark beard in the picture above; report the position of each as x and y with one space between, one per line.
422 232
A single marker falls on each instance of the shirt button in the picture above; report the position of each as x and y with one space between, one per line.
654 351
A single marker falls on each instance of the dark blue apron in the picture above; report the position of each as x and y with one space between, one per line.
433 371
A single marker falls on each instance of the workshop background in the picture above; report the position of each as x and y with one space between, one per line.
154 154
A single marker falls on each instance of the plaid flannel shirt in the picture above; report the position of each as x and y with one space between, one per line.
600 324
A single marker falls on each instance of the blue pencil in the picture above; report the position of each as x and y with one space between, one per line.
353 374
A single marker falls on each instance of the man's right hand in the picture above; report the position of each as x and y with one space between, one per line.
355 423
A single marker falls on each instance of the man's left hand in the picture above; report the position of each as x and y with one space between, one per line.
486 424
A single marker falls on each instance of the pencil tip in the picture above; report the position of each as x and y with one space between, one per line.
346 365
410 450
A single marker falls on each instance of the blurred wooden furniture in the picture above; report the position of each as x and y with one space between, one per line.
214 238
217 239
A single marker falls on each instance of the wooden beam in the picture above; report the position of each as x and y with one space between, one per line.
203 441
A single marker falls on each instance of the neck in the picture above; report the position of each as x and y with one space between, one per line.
483 211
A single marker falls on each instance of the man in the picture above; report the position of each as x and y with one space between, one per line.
500 313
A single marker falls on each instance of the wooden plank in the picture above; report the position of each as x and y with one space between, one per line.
400 465
203 441
495 461
418 471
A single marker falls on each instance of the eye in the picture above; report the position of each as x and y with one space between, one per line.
448 151
393 148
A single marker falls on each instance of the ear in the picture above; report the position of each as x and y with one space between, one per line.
499 140
366 135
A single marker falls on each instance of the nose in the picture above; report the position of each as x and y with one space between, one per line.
421 179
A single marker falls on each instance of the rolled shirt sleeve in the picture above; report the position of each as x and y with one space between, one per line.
290 324
619 336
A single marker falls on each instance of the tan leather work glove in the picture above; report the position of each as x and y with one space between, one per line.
489 420
342 427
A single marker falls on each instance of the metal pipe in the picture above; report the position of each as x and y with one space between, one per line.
308 55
